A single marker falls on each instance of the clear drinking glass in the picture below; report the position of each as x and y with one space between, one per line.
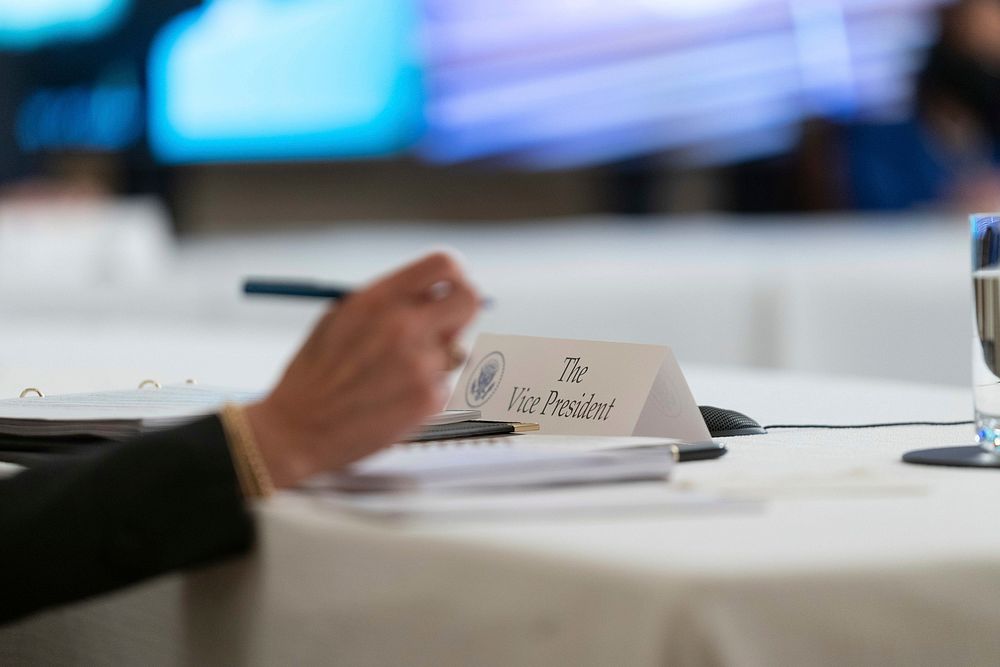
986 304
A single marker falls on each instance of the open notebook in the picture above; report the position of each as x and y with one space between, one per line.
118 415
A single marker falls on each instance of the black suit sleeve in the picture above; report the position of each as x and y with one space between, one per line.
77 528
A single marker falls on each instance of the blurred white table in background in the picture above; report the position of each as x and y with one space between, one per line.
874 296
839 554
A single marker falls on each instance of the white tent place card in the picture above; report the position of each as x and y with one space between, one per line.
579 387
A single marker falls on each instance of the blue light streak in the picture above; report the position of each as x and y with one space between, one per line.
26 24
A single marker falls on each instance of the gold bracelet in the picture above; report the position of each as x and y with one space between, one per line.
255 480
234 437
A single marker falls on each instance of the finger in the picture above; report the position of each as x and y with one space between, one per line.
418 278
431 279
393 322
451 313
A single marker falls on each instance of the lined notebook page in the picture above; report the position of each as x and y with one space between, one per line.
122 414
113 414
137 404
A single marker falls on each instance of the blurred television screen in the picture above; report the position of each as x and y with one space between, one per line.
284 80
532 84
571 82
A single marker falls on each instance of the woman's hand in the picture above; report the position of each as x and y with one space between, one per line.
370 372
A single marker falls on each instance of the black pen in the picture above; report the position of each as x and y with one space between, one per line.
271 287
294 288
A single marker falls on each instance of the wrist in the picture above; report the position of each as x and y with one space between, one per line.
286 460
251 471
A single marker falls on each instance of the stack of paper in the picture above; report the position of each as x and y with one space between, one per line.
516 462
527 477
118 415
115 415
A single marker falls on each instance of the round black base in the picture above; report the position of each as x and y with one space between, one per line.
961 457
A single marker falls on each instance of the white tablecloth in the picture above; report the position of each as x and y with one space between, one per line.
846 556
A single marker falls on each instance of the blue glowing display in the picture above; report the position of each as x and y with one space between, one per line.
564 83
29 23
289 79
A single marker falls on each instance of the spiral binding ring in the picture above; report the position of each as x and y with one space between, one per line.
32 390
149 383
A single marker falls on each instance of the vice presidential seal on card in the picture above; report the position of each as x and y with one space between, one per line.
484 380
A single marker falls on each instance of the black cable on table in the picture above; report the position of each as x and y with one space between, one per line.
882 425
